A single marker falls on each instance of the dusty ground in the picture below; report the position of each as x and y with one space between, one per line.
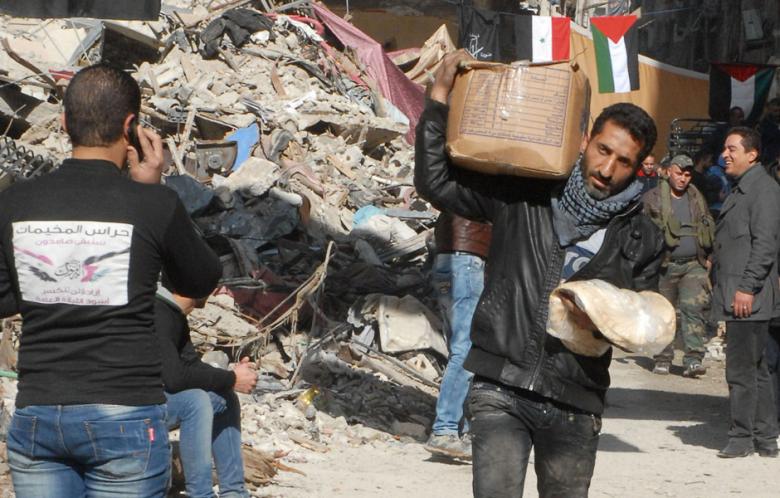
660 438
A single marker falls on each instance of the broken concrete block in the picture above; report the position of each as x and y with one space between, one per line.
254 177
410 429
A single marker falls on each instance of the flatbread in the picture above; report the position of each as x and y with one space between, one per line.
638 322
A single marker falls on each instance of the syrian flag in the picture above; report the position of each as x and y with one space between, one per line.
617 53
739 85
542 38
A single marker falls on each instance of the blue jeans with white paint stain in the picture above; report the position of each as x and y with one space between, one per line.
458 278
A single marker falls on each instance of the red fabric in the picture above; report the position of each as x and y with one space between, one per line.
613 27
406 95
740 72
561 35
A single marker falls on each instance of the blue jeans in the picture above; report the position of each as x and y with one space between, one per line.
506 424
97 451
209 424
458 279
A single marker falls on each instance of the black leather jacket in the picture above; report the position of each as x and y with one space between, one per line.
510 344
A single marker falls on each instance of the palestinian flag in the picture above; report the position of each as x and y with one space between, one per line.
617 53
542 38
739 85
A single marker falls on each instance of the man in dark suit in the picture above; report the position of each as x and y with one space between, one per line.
745 283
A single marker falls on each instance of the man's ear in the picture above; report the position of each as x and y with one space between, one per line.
752 156
584 144
63 123
126 126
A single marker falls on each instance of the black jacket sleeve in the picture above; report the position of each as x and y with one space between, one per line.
188 261
469 194
646 274
181 365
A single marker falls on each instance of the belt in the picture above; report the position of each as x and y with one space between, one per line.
684 260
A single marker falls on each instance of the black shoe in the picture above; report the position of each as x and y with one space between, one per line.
694 369
736 450
768 450
661 368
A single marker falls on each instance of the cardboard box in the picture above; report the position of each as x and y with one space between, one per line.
519 119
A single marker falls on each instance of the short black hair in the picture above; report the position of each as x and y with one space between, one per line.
633 118
751 140
97 101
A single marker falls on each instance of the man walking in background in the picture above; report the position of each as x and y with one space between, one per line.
458 276
680 211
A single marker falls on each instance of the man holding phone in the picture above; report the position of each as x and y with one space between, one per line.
81 250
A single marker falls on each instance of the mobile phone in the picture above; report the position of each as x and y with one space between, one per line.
132 135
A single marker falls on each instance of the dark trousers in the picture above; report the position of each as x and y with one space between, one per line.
751 396
505 424
773 360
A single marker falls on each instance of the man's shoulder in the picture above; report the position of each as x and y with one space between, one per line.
653 193
652 198
761 183
168 319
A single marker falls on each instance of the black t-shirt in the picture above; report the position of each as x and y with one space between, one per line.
81 251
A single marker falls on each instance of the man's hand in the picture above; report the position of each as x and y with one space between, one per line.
742 304
246 376
445 75
150 169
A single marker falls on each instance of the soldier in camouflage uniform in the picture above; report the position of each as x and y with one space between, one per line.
680 211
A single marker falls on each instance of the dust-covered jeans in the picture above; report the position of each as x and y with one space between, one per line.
94 451
506 424
458 278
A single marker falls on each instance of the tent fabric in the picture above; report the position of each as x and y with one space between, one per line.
146 10
391 82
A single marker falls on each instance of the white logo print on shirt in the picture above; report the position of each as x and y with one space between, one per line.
73 262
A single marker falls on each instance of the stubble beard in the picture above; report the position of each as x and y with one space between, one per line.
592 191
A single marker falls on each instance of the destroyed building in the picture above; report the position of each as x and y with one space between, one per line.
288 134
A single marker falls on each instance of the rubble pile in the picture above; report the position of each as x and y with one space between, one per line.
298 170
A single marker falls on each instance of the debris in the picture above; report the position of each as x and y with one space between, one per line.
409 429
245 138
292 155
255 177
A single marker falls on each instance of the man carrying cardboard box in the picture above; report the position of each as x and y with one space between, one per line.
529 389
